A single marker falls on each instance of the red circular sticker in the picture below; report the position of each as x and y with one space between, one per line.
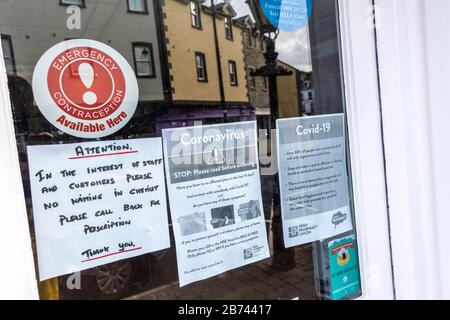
89 83
89 87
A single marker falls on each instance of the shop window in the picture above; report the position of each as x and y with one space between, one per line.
144 60
230 211
137 6
200 62
196 20
229 28
8 55
80 3
233 73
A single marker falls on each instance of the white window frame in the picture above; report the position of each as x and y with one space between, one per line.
413 63
361 93
17 276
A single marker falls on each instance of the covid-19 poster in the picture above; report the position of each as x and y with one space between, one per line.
312 164
214 190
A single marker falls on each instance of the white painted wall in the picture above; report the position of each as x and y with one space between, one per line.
17 274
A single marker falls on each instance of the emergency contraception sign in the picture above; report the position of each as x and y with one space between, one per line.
313 178
214 189
96 203
85 88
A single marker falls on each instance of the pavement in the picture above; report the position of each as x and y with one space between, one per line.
258 281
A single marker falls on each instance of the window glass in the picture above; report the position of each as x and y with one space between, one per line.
261 42
201 66
228 28
127 86
8 55
252 78
195 14
250 38
233 75
144 60
137 5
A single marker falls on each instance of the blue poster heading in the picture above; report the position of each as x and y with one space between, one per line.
287 15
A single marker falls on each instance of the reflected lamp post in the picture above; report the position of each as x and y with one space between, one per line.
283 259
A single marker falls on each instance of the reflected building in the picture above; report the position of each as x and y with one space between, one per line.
258 87
289 92
181 82
131 28
207 69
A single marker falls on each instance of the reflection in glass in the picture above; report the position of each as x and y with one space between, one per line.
196 64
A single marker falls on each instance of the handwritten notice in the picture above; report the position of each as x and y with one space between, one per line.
313 178
98 202
215 198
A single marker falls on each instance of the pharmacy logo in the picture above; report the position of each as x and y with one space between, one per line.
293 232
248 254
85 88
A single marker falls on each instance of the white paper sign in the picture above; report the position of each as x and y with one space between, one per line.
215 198
313 178
98 202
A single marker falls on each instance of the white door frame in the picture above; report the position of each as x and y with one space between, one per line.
366 146
414 50
17 273
368 172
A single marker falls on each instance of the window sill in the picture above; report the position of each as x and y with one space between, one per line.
81 6
146 76
138 12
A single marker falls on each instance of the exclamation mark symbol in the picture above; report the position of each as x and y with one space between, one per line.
86 72
216 155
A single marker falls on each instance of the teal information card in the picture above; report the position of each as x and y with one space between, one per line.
344 267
